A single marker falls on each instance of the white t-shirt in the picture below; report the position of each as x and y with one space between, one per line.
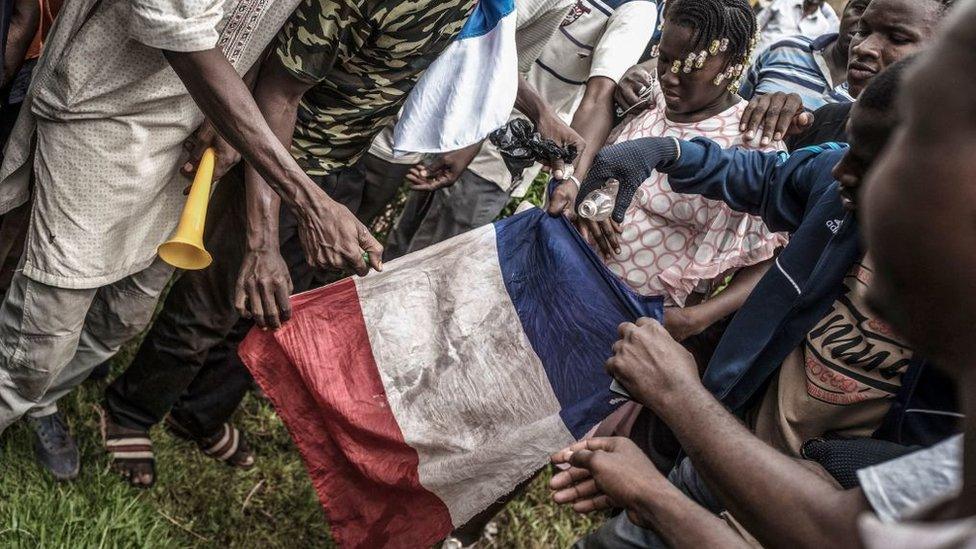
904 489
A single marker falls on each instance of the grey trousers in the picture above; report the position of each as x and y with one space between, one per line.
620 533
429 218
51 338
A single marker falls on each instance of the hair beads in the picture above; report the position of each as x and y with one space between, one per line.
720 27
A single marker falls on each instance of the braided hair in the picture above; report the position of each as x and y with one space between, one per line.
729 22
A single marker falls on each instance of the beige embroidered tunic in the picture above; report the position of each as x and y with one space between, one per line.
103 125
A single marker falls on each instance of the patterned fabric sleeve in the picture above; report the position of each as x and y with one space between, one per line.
316 34
176 25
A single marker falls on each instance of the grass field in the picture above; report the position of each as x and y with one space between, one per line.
198 502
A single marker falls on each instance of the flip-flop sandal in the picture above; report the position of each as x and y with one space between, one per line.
130 452
227 445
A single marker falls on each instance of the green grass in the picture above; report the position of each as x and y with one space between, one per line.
198 502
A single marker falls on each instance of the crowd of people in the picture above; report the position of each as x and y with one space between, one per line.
793 183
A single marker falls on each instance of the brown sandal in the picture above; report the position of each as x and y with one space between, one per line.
130 452
227 445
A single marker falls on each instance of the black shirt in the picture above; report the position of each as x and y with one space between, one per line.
829 124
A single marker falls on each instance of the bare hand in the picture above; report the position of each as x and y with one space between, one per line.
773 116
683 322
444 171
263 289
332 237
631 90
602 234
552 127
563 199
206 136
604 473
651 365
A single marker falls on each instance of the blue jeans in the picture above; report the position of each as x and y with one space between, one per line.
620 533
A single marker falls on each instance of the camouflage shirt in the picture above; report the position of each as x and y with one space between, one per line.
363 59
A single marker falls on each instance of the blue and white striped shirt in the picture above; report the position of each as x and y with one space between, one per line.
796 65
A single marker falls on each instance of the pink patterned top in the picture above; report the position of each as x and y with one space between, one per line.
676 244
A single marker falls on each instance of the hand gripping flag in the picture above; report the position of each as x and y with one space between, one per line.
469 90
420 395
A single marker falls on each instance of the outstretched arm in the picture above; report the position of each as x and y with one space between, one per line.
593 120
609 472
684 322
547 122
777 499
773 185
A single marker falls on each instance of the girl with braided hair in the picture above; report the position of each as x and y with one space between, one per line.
682 246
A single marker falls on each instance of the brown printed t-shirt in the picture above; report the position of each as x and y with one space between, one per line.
841 380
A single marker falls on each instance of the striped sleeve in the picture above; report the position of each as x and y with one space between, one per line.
791 66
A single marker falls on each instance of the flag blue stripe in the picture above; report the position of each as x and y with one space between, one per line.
569 306
485 17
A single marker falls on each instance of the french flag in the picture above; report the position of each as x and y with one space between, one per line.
469 90
420 395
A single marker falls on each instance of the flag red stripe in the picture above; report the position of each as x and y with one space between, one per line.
320 373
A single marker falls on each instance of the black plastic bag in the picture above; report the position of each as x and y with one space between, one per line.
521 145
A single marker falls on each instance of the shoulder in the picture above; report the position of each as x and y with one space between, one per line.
816 162
632 8
614 5
833 111
793 42
792 50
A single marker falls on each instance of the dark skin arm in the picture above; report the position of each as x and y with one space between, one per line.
685 322
599 465
264 285
530 103
593 121
206 136
780 501
330 235
23 26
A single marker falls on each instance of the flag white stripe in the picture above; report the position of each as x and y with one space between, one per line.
464 95
481 420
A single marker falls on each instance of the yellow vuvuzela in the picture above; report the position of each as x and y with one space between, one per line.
185 249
